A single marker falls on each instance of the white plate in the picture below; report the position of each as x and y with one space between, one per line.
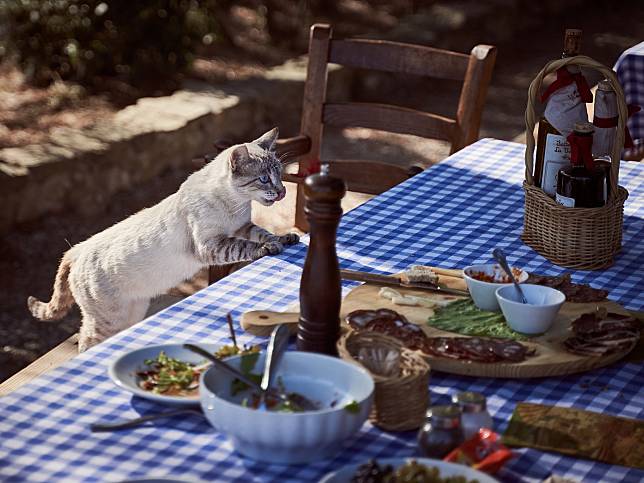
344 475
124 368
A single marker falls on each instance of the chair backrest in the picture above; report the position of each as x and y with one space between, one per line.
475 70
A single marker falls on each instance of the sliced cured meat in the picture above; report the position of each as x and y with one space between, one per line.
512 350
593 323
360 318
574 292
600 333
477 349
388 322
480 349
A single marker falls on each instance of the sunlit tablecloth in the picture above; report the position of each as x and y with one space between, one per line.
450 215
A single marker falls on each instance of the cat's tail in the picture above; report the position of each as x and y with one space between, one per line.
62 298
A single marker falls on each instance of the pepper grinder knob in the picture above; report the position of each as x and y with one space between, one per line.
320 286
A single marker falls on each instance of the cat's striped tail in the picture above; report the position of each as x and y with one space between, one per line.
62 298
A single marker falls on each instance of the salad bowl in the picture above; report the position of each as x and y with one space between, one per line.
343 391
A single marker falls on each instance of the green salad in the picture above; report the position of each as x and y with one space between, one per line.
463 317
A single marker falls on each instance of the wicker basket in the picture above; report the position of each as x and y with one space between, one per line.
400 402
581 238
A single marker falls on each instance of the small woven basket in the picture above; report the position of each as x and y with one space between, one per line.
581 238
401 401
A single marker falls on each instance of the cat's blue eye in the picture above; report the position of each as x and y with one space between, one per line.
264 178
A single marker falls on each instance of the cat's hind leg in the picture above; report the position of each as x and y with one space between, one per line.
100 322
136 311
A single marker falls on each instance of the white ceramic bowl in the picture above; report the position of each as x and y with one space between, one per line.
535 317
483 293
345 474
123 370
291 438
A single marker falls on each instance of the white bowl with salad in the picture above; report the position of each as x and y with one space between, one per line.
342 392
165 373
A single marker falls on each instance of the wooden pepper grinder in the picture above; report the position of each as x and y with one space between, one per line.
320 289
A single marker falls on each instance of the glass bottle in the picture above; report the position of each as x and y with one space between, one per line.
583 184
565 106
474 414
605 121
441 432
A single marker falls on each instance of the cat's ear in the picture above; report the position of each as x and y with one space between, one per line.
267 140
238 157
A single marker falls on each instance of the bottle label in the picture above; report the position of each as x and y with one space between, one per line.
556 156
565 201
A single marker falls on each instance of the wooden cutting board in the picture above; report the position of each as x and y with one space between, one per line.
551 359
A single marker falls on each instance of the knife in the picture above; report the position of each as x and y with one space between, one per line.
393 280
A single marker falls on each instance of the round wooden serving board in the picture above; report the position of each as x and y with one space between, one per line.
551 359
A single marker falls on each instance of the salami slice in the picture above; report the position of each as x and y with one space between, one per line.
512 350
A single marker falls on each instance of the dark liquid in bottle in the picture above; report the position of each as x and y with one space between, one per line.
579 187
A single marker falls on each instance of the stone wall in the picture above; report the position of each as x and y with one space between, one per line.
81 169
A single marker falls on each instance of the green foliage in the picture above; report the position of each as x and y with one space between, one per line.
141 42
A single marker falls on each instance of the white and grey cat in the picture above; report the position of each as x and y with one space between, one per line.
113 275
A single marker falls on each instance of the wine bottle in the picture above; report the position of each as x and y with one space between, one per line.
583 183
565 105
605 122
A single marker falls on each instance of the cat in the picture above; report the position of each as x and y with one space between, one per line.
113 275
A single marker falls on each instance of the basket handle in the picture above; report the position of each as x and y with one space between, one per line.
531 119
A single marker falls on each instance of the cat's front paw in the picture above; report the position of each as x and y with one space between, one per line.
270 248
289 239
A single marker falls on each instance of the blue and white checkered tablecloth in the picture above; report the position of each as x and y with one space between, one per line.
451 215
630 72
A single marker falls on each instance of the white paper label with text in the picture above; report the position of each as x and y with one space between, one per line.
556 156
565 201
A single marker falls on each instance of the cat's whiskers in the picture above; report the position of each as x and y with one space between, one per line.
283 156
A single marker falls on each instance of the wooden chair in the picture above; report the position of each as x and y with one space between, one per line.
475 70
374 177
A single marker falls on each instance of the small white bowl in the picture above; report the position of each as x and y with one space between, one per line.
535 317
483 293
291 438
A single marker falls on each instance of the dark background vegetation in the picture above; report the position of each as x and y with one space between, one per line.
67 62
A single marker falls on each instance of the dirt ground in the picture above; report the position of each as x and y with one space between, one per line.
29 254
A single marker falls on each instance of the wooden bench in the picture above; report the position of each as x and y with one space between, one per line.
52 359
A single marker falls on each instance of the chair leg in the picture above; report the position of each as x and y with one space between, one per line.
300 219
217 272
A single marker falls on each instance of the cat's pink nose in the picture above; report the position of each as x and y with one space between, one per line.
281 195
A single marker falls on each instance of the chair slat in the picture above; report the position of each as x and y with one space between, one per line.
389 118
371 177
399 57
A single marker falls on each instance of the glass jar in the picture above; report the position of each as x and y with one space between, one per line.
441 432
474 415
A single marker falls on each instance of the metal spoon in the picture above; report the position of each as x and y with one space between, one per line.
131 423
499 256
303 402
276 347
